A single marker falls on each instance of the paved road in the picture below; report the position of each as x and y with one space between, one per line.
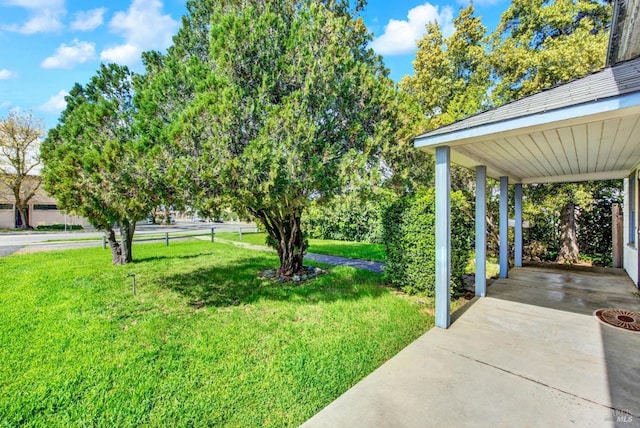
12 242
9 249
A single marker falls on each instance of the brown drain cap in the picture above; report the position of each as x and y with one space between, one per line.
620 318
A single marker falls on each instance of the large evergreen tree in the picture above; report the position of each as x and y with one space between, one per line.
92 163
292 107
451 76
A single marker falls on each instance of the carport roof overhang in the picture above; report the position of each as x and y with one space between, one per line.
587 129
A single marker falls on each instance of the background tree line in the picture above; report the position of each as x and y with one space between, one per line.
280 111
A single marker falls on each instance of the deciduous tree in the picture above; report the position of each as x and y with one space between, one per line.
539 44
20 136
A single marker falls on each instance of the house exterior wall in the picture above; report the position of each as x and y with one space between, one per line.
38 214
40 217
630 262
7 216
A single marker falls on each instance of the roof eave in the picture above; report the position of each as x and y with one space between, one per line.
564 116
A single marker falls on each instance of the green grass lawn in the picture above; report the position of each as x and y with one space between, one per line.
354 250
204 342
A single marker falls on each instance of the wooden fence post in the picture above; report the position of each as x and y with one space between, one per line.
616 236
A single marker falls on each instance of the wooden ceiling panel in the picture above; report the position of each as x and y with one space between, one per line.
594 141
623 134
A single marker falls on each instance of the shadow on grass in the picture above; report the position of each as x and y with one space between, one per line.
170 257
237 284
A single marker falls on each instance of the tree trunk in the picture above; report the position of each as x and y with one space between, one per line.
22 195
127 229
568 241
24 218
116 248
167 215
21 207
121 251
291 255
493 237
287 237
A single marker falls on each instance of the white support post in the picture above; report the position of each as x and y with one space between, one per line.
443 236
481 231
517 246
504 227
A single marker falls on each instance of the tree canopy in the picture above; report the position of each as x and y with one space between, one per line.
541 43
451 76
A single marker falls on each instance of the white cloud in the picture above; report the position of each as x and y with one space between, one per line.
122 54
476 3
45 16
7 74
88 20
55 104
66 56
400 37
5 104
143 27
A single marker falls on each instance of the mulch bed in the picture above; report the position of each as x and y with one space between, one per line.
307 273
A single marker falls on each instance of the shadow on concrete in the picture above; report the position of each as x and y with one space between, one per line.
583 290
460 311
622 358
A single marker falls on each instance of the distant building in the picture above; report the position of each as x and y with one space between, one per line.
42 211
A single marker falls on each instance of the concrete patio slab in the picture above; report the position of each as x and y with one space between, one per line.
507 363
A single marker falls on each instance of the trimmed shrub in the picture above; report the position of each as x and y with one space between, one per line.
59 227
409 237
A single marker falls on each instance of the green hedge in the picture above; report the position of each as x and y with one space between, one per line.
59 227
409 237
347 218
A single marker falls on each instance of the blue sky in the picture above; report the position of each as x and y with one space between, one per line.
48 45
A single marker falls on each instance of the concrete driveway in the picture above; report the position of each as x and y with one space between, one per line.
541 360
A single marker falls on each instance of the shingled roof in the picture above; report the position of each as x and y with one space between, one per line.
621 79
